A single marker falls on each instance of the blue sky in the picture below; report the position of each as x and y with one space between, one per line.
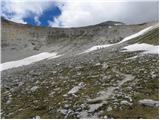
47 15
31 12
77 13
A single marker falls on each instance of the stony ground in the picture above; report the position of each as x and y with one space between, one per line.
99 84
106 83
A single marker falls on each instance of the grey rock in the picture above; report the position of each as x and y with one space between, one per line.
149 102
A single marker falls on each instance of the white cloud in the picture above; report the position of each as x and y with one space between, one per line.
36 19
18 20
55 23
16 10
77 13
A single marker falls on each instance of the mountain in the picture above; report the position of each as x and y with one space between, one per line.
107 70
110 23
20 41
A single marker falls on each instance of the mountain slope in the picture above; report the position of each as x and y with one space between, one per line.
109 81
20 41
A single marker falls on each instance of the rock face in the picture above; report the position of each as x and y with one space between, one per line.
106 82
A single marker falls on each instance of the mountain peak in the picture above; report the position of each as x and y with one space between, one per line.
110 23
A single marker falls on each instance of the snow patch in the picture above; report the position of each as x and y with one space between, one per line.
117 24
96 48
28 60
142 32
147 48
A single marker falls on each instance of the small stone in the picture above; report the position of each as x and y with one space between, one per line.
79 109
65 95
63 111
97 64
83 106
125 103
20 84
52 93
79 73
104 66
109 108
54 72
105 117
33 89
37 117
66 106
104 77
9 101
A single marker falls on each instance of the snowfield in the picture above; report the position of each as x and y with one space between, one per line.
142 32
96 48
147 48
45 55
28 60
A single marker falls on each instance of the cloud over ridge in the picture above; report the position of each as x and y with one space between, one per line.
76 13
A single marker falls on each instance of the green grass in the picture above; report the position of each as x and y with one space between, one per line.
151 37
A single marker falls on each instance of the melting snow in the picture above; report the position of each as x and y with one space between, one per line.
96 48
142 32
138 34
142 47
28 60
